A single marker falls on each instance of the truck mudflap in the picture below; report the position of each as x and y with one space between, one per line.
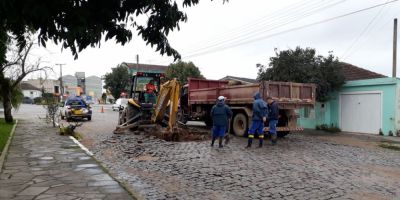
286 129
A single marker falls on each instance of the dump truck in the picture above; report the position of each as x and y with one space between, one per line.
199 95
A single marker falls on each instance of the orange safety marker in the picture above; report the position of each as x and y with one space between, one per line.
102 109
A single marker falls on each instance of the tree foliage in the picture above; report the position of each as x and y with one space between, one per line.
305 66
182 71
117 81
77 24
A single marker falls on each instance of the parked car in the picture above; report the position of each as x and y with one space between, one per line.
27 100
120 104
75 108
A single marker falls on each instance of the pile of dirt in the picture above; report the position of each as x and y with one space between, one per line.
179 134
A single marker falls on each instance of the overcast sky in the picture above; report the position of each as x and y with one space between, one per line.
231 38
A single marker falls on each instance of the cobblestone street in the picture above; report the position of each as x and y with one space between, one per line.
299 167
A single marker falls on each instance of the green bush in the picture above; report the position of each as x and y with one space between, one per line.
327 128
390 133
37 100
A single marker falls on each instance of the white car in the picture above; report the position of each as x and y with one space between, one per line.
119 104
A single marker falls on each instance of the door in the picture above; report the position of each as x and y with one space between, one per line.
361 112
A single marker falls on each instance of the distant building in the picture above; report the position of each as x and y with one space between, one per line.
240 80
80 85
70 84
49 85
81 81
133 67
94 87
30 91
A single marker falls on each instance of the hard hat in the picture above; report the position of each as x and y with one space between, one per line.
220 98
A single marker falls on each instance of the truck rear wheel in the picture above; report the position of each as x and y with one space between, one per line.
240 124
208 121
282 134
282 122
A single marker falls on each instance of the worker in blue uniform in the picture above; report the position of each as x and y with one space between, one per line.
258 119
220 113
273 116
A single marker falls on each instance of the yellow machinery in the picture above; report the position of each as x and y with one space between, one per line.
168 98
144 114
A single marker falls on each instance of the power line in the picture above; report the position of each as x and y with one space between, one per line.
290 30
275 16
348 52
271 27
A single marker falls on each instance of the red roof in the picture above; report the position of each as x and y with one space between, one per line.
352 73
146 66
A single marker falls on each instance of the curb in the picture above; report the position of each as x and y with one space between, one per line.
130 190
5 150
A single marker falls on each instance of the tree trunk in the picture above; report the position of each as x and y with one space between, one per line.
5 92
6 95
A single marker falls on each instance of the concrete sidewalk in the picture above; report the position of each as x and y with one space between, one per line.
44 165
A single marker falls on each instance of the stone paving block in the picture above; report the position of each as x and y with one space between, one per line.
33 191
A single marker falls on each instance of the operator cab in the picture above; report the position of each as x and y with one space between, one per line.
138 84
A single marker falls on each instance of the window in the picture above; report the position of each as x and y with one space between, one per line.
31 92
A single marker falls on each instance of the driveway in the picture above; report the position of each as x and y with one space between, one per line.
302 166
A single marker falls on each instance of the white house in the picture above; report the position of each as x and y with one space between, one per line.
30 91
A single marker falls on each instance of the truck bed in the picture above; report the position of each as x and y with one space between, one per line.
289 95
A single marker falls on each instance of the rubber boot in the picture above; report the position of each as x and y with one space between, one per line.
260 144
273 139
212 141
249 142
220 142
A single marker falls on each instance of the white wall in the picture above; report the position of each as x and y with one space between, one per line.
32 93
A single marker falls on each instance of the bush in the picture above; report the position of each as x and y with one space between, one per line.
330 129
390 133
37 100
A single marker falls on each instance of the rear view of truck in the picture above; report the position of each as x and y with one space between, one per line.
202 95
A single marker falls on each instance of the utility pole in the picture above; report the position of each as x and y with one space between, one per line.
137 62
61 81
394 48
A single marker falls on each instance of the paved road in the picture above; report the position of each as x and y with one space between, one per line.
44 165
299 167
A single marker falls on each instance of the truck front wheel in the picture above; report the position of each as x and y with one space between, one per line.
240 124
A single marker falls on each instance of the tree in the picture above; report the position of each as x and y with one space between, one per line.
12 72
182 71
78 24
304 66
117 81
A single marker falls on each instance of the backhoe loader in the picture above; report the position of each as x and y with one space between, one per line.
141 114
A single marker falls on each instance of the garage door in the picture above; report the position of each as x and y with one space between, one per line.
361 112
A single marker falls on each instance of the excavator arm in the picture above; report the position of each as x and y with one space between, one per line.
168 98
